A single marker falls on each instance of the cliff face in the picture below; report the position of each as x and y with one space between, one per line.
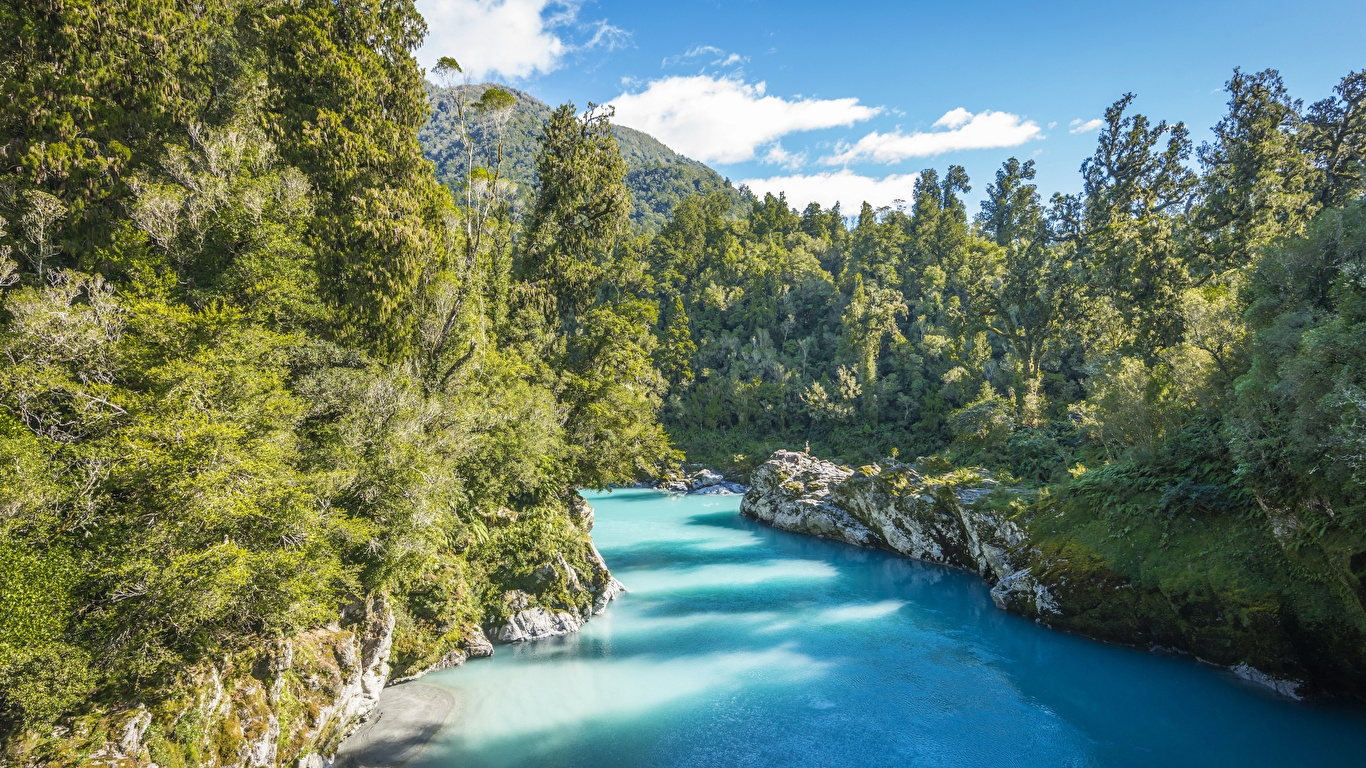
291 702
1011 538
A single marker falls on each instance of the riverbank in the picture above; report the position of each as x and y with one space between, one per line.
740 644
1218 588
403 721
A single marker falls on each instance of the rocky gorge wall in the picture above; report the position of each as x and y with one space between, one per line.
293 701
1014 539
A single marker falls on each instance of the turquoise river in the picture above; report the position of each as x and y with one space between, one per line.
740 645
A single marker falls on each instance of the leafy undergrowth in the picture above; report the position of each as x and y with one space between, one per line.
438 611
1140 555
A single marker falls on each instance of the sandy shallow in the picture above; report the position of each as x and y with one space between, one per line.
407 716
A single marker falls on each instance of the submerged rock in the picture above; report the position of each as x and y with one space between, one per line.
725 488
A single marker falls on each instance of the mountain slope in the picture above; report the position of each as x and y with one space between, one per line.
657 176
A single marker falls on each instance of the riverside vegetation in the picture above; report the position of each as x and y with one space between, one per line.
281 416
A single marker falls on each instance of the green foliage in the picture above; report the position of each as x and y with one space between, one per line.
674 358
1298 414
580 211
259 365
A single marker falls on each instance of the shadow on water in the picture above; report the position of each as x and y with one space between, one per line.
740 645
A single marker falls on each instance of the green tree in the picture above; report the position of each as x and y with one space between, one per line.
574 263
1257 182
1026 298
1334 132
1126 226
676 352
870 317
580 212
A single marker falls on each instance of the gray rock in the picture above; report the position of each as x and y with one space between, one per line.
705 479
536 623
1288 688
892 506
607 595
517 599
580 511
130 743
477 645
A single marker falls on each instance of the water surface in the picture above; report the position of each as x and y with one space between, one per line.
740 645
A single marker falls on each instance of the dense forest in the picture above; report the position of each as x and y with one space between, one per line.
1167 368
260 363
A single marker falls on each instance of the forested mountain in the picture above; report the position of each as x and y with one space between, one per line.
657 177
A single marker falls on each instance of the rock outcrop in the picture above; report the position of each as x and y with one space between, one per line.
707 482
534 622
291 703
892 506
959 519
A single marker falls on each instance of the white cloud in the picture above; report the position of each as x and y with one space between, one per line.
692 53
776 155
721 58
843 186
963 130
510 38
1077 126
723 120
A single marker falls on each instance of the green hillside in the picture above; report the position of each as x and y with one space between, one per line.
657 176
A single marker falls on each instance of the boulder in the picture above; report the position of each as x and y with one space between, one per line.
476 645
705 479
607 595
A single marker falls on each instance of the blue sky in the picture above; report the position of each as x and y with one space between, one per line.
850 100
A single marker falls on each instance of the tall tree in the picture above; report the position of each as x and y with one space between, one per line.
1133 192
1023 299
581 211
572 260
1257 182
1335 134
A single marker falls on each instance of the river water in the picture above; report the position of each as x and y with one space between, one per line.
740 645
